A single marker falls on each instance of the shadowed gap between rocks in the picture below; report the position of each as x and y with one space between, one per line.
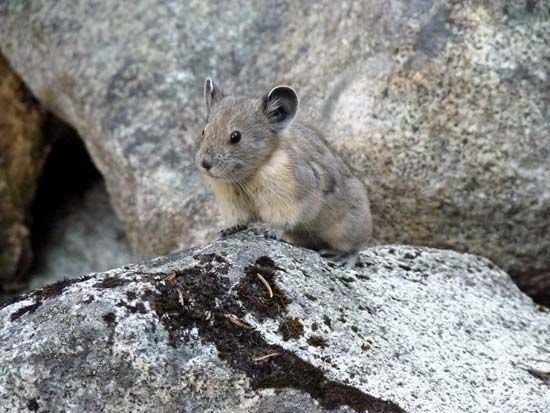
536 284
67 173
75 229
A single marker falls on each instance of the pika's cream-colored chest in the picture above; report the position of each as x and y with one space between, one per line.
271 196
274 191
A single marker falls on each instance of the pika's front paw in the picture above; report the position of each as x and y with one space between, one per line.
232 230
345 259
268 233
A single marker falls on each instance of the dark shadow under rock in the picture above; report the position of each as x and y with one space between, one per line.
75 229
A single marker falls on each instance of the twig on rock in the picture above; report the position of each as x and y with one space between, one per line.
266 284
233 319
267 356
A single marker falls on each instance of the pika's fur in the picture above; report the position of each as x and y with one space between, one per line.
264 166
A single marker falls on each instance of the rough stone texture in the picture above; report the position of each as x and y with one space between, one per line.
85 236
22 154
412 329
441 106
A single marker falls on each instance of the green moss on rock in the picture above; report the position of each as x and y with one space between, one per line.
291 328
317 341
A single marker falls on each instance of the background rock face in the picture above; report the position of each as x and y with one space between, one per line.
442 107
413 329
22 154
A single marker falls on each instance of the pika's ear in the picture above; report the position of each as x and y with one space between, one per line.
280 106
212 94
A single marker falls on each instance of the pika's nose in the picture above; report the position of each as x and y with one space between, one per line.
206 164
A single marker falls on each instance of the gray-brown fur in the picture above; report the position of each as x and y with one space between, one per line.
281 172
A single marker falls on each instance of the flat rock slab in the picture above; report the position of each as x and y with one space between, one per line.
249 324
440 106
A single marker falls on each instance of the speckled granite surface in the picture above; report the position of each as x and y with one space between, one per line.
441 106
411 330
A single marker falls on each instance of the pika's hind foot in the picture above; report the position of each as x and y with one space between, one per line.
345 259
226 232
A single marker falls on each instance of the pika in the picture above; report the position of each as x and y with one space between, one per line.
266 167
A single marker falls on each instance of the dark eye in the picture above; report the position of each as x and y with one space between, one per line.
235 137
203 132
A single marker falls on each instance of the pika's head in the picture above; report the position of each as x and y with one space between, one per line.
241 133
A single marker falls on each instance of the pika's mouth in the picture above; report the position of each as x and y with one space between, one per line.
211 174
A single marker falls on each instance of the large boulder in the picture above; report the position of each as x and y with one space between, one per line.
254 325
22 154
441 106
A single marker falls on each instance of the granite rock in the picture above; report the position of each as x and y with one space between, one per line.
22 154
410 330
441 106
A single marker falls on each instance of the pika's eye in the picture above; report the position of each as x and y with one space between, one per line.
235 137
202 132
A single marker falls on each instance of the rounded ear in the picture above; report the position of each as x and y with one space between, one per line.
280 106
212 94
